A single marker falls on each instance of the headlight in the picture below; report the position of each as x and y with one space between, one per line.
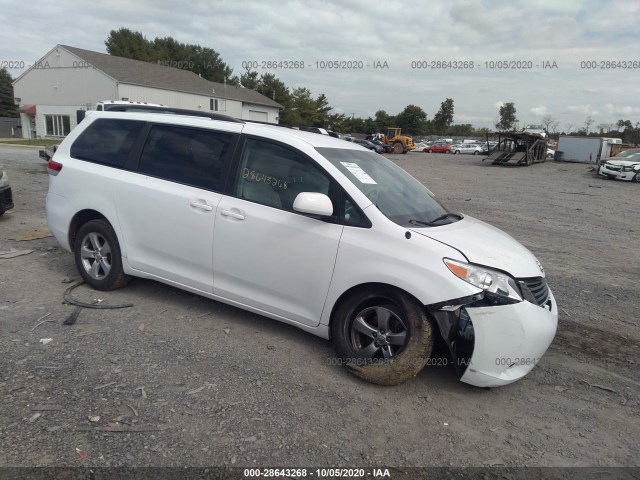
628 168
491 281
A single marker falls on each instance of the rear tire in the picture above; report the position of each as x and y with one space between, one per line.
98 256
398 148
382 335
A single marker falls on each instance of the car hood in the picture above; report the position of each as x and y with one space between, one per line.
624 163
486 245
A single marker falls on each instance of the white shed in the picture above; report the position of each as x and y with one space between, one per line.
68 79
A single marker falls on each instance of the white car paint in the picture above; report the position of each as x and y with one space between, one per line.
507 347
294 268
511 256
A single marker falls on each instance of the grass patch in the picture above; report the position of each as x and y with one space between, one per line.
37 142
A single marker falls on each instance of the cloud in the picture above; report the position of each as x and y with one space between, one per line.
538 111
475 31
626 110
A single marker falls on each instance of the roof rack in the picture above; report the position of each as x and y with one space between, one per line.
268 123
170 110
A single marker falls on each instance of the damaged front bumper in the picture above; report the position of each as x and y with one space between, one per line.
494 345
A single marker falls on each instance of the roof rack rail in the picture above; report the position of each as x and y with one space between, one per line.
170 110
269 123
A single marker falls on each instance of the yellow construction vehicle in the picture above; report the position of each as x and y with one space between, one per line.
401 143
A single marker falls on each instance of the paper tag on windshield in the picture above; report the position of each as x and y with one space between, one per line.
360 174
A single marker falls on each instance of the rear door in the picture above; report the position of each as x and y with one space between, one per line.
167 206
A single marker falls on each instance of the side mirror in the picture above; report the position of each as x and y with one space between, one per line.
313 203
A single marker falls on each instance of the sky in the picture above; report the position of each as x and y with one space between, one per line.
401 38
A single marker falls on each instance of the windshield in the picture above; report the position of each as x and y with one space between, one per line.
399 196
629 153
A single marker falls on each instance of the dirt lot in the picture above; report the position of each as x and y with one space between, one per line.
202 383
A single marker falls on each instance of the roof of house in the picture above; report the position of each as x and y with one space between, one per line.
136 72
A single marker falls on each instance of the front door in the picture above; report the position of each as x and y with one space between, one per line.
266 255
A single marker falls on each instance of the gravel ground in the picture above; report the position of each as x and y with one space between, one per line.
197 382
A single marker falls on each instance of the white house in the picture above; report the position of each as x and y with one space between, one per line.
68 79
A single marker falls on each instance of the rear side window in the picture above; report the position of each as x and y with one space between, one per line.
186 155
107 141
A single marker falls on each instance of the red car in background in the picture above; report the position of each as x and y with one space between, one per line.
438 147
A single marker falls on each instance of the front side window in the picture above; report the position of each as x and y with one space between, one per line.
107 141
190 156
398 195
274 175
57 125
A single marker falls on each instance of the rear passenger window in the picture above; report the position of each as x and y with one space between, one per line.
107 141
186 155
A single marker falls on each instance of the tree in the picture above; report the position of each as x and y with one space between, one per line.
7 104
336 121
382 120
303 108
605 128
168 51
129 44
444 118
272 87
460 130
508 118
323 108
550 123
587 124
249 79
412 120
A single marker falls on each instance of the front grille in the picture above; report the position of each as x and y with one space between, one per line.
535 290
612 168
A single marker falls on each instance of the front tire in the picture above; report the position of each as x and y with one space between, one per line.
636 178
398 148
382 335
98 257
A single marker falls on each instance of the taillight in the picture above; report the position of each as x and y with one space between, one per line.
53 167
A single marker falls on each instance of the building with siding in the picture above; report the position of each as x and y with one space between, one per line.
68 79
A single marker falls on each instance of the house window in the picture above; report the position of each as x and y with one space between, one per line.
57 125
217 105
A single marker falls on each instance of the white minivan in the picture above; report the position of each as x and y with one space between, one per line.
303 228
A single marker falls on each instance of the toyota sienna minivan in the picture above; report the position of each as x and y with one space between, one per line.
303 228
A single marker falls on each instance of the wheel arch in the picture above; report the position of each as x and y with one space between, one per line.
363 287
84 216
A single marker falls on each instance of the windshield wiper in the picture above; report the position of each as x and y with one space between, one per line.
436 220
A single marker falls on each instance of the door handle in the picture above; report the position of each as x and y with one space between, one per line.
201 206
229 213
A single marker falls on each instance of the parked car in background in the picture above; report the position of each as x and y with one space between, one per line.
624 166
370 145
6 197
438 147
385 148
631 152
472 148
